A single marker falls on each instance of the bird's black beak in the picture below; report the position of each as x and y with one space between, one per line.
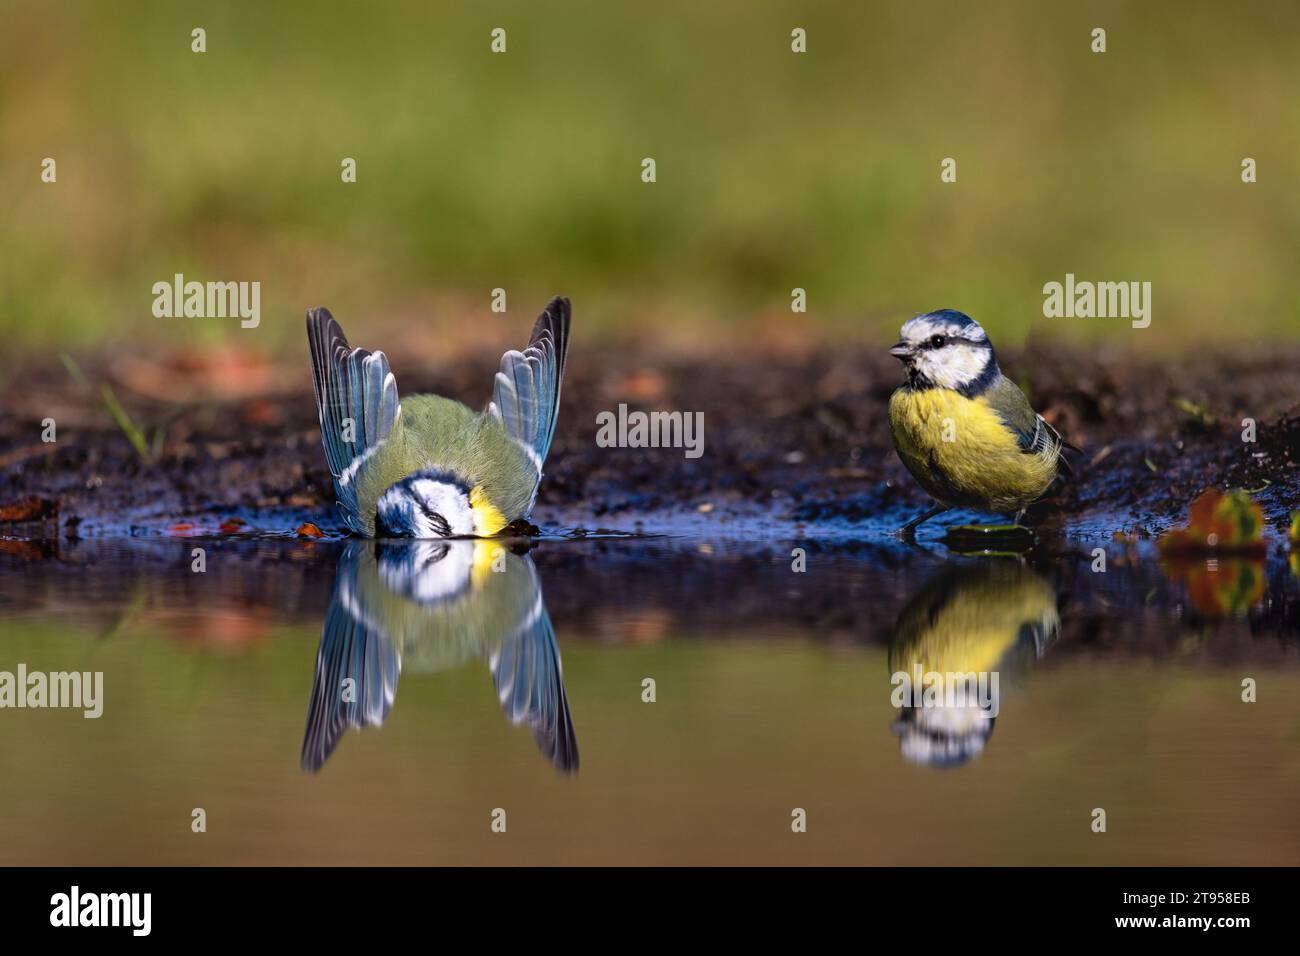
902 351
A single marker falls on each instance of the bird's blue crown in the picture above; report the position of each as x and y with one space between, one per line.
950 317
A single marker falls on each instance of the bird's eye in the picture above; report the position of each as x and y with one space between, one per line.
936 341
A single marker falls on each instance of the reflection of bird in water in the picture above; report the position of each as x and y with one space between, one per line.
968 618
430 606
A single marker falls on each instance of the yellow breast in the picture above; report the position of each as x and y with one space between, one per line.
960 450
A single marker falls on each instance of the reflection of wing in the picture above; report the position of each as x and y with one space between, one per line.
352 648
530 683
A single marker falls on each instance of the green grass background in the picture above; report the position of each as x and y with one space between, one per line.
522 170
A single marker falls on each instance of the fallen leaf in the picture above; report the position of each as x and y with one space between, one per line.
1219 521
309 530
31 508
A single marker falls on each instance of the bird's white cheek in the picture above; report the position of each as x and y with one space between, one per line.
954 367
933 370
460 520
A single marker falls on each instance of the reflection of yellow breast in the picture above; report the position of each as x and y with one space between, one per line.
488 519
962 452
971 622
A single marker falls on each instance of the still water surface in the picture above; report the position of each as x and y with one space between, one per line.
362 702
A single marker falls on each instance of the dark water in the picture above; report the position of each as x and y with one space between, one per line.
330 701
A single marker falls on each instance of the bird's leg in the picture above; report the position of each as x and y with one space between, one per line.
907 529
1019 517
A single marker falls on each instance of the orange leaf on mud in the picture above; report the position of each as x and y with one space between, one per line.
1218 521
29 509
309 530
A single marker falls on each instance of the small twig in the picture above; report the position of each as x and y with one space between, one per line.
31 451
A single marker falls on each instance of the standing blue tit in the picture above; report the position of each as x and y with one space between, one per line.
966 433
430 467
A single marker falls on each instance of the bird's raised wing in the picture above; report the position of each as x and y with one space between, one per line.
356 401
526 398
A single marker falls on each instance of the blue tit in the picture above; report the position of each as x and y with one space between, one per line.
966 433
429 467
427 607
991 616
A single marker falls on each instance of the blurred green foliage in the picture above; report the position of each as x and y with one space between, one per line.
522 170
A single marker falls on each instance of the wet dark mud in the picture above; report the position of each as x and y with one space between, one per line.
791 443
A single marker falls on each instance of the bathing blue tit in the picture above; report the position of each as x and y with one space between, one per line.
428 467
424 607
966 433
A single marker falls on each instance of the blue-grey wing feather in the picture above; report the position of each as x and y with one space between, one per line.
526 396
529 680
1031 430
351 646
351 385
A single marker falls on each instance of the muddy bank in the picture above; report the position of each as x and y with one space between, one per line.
797 439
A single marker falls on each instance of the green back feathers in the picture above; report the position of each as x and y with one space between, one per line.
442 434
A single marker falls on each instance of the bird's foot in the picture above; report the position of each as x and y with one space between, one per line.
909 530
